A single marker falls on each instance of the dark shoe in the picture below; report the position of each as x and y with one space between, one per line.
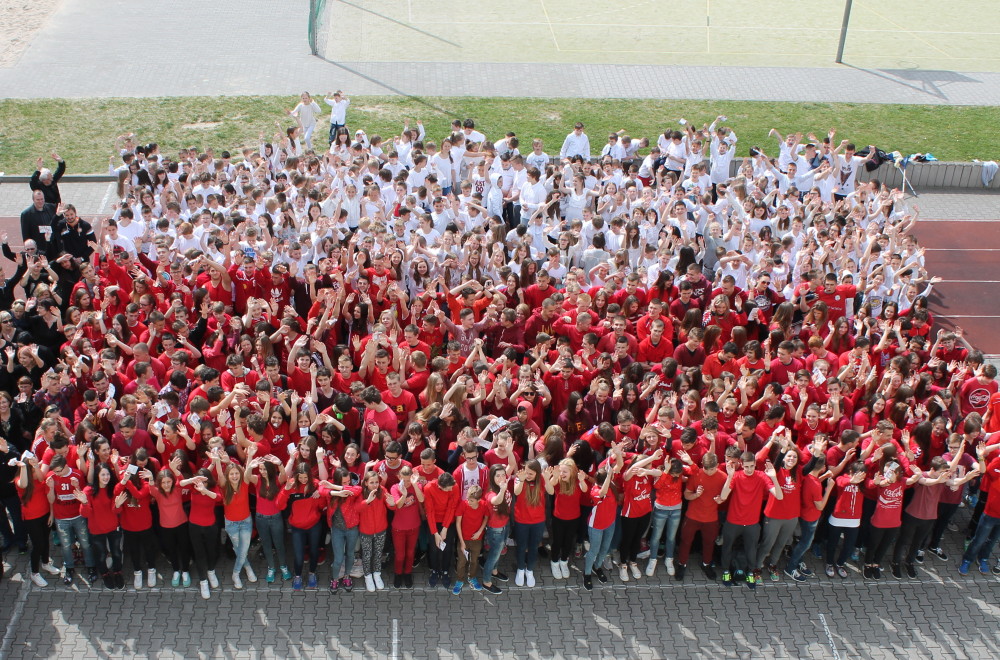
500 575
602 577
939 553
347 584
679 570
911 570
727 578
876 572
896 571
492 588
119 581
709 571
752 579
588 583
408 580
432 579
418 556
866 572
109 581
334 586
68 577
397 582
919 557
92 576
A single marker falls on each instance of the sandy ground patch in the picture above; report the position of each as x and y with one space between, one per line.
19 21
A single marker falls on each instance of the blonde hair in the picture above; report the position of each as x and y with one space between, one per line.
568 486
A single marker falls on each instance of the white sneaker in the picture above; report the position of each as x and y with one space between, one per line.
50 569
137 580
636 573
529 578
213 580
237 582
203 585
151 578
369 582
669 561
643 555
39 580
623 573
651 567
556 570
378 580
607 563
250 574
519 577
564 567
357 570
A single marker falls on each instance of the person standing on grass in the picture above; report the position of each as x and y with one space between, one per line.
338 103
306 112
47 181
576 144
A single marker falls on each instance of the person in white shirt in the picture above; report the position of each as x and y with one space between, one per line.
306 112
338 103
537 158
613 148
576 144
532 194
846 167
788 146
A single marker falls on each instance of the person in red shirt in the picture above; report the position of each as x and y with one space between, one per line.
722 361
33 494
441 499
988 528
529 516
845 521
601 523
748 488
98 507
702 491
132 500
63 484
567 486
781 515
471 518
835 296
669 488
203 527
975 393
637 509
402 402
405 499
307 499
373 510
655 347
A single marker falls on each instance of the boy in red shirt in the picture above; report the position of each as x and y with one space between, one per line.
470 525
748 487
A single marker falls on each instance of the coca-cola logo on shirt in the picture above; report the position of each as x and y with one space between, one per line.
979 398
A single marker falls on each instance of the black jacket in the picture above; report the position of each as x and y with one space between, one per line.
51 191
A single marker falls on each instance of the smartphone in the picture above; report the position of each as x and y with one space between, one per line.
291 448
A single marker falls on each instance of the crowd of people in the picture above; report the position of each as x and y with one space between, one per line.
392 351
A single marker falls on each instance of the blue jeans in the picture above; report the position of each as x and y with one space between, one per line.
601 541
70 530
343 541
496 539
102 545
271 530
528 536
987 533
805 542
669 519
239 532
301 539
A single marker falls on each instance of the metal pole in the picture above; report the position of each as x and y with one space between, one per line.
843 31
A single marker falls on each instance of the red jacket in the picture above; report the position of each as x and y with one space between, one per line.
306 509
348 507
440 506
374 518
136 516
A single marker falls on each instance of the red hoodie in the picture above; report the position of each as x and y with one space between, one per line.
306 509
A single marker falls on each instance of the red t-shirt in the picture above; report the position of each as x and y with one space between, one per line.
704 508
812 492
38 506
66 505
888 504
849 499
747 497
238 508
790 505
203 508
472 519
524 512
637 497
567 507
605 508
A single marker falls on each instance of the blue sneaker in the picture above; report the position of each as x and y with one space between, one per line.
475 584
297 583
286 574
433 579
984 566
964 568
457 588
312 583
270 576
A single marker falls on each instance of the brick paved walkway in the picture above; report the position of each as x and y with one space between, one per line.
938 615
88 35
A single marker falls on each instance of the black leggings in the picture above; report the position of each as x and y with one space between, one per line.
176 543
139 544
633 530
38 532
912 536
880 539
563 538
945 513
204 548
